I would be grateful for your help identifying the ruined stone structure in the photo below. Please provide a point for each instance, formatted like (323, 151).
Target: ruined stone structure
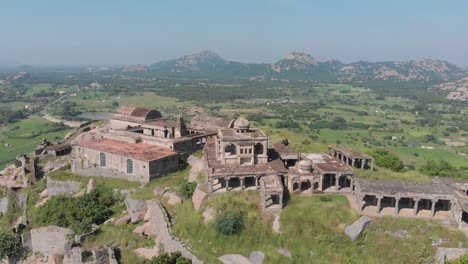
(237, 158)
(118, 159)
(352, 157)
(47, 148)
(138, 145)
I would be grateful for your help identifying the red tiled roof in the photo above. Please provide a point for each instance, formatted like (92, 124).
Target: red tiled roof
(138, 151)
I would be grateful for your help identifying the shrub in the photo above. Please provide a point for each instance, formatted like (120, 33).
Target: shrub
(9, 245)
(461, 260)
(229, 223)
(441, 168)
(172, 258)
(187, 188)
(384, 158)
(79, 214)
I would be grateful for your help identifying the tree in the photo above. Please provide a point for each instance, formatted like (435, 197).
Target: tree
(115, 104)
(384, 158)
(9, 245)
(187, 189)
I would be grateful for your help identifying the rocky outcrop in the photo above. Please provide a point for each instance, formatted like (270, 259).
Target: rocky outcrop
(55, 187)
(356, 228)
(4, 201)
(172, 198)
(198, 198)
(51, 240)
(208, 215)
(91, 185)
(23, 176)
(257, 257)
(136, 209)
(234, 259)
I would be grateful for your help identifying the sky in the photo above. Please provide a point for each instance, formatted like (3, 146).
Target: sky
(114, 32)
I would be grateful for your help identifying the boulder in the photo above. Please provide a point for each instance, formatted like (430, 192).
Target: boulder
(91, 185)
(147, 253)
(4, 204)
(173, 199)
(159, 191)
(235, 259)
(208, 215)
(276, 224)
(198, 198)
(44, 194)
(122, 220)
(356, 228)
(136, 209)
(257, 257)
(146, 229)
(285, 252)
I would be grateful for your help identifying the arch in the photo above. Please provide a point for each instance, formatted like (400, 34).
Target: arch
(129, 166)
(258, 149)
(102, 159)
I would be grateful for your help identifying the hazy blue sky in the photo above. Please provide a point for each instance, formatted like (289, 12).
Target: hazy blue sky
(128, 32)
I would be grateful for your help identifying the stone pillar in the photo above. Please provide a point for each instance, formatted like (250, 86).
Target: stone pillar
(352, 162)
(226, 180)
(452, 208)
(256, 183)
(351, 183)
(397, 205)
(416, 204)
(434, 201)
(363, 163)
(210, 185)
(337, 182)
(379, 203)
(360, 202)
(242, 183)
(263, 202)
(320, 187)
(372, 165)
(281, 200)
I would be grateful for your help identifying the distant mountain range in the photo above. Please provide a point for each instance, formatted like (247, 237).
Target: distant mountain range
(302, 66)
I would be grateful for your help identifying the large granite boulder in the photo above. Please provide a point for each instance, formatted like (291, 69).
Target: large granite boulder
(235, 259)
(51, 240)
(257, 257)
(4, 204)
(136, 209)
(356, 228)
(198, 198)
(62, 187)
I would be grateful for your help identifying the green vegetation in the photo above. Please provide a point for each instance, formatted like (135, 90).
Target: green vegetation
(79, 214)
(461, 260)
(442, 169)
(388, 160)
(230, 222)
(172, 258)
(311, 227)
(187, 188)
(9, 245)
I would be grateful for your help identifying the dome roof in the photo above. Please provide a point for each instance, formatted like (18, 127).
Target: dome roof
(241, 123)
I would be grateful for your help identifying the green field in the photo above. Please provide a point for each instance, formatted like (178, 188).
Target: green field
(24, 136)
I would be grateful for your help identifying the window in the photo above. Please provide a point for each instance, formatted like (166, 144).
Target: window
(129, 166)
(102, 159)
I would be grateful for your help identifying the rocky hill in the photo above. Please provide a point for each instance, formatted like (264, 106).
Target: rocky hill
(302, 66)
(457, 90)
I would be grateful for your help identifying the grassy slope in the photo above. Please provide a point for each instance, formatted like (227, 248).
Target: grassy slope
(312, 229)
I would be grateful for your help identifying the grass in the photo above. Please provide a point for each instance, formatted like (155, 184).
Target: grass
(121, 237)
(62, 175)
(312, 229)
(386, 174)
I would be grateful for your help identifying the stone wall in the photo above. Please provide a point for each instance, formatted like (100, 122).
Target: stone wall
(443, 254)
(62, 187)
(158, 219)
(51, 240)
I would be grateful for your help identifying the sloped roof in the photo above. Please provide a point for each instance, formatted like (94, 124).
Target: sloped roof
(210, 122)
(139, 112)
